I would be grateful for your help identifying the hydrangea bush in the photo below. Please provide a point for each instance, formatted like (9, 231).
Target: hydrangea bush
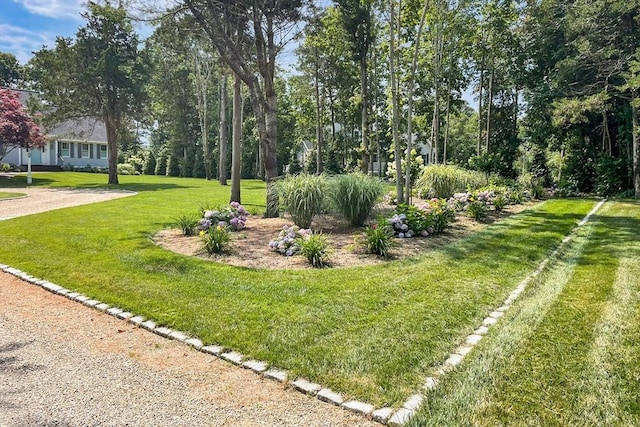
(234, 217)
(288, 241)
(424, 220)
(438, 214)
(477, 203)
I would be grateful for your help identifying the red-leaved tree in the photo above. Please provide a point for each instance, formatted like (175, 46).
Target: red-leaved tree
(17, 128)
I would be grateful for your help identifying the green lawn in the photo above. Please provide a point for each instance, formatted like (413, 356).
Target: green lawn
(10, 195)
(370, 333)
(567, 353)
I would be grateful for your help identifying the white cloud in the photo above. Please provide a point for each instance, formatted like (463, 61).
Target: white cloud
(54, 8)
(22, 42)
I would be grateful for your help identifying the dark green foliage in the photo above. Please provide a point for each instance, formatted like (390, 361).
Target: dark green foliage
(477, 210)
(188, 224)
(379, 238)
(612, 175)
(416, 218)
(314, 248)
(216, 240)
(150, 164)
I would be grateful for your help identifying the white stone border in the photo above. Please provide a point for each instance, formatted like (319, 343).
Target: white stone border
(385, 415)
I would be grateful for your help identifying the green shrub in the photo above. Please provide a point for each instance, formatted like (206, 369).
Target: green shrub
(314, 248)
(5, 167)
(611, 175)
(416, 219)
(303, 196)
(187, 224)
(477, 210)
(215, 240)
(531, 184)
(499, 202)
(379, 238)
(355, 195)
(126, 169)
(443, 181)
(438, 214)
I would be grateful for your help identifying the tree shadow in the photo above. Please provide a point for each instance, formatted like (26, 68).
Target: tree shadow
(10, 363)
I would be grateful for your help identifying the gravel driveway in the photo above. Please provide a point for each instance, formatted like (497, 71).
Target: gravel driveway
(46, 199)
(64, 364)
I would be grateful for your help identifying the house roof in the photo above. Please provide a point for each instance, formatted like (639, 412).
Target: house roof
(84, 129)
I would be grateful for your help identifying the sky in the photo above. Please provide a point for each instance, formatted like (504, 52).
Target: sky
(27, 25)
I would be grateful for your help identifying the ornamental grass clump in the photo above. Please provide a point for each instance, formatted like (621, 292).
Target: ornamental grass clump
(379, 239)
(303, 196)
(188, 224)
(216, 239)
(443, 181)
(355, 195)
(314, 247)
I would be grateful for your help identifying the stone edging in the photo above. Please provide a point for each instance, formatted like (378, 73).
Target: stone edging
(385, 415)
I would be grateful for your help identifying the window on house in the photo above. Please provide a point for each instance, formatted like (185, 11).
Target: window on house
(85, 151)
(103, 151)
(65, 149)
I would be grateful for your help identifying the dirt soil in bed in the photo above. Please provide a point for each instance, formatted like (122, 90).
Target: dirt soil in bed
(250, 247)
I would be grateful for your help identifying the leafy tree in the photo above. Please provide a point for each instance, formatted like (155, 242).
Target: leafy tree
(17, 128)
(101, 75)
(357, 19)
(248, 36)
(11, 72)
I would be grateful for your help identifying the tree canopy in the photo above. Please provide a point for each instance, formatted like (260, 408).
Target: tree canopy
(17, 127)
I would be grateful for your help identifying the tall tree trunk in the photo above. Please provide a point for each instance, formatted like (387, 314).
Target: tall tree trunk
(606, 136)
(489, 105)
(479, 147)
(636, 145)
(112, 152)
(412, 80)
(206, 159)
(319, 133)
(446, 129)
(202, 75)
(222, 144)
(236, 135)
(364, 90)
(395, 111)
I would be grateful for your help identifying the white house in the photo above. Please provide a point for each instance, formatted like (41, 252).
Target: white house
(77, 143)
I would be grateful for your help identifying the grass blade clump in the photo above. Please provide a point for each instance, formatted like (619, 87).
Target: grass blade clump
(188, 224)
(443, 181)
(314, 247)
(355, 195)
(302, 197)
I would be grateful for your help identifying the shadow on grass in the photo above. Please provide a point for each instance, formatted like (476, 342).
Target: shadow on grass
(20, 181)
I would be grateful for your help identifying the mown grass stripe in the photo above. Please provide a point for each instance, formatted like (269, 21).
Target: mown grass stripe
(538, 368)
(466, 391)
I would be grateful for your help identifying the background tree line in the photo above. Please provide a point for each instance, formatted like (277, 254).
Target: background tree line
(542, 91)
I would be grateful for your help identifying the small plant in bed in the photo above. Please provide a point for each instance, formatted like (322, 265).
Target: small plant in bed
(215, 240)
(314, 247)
(188, 224)
(379, 238)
